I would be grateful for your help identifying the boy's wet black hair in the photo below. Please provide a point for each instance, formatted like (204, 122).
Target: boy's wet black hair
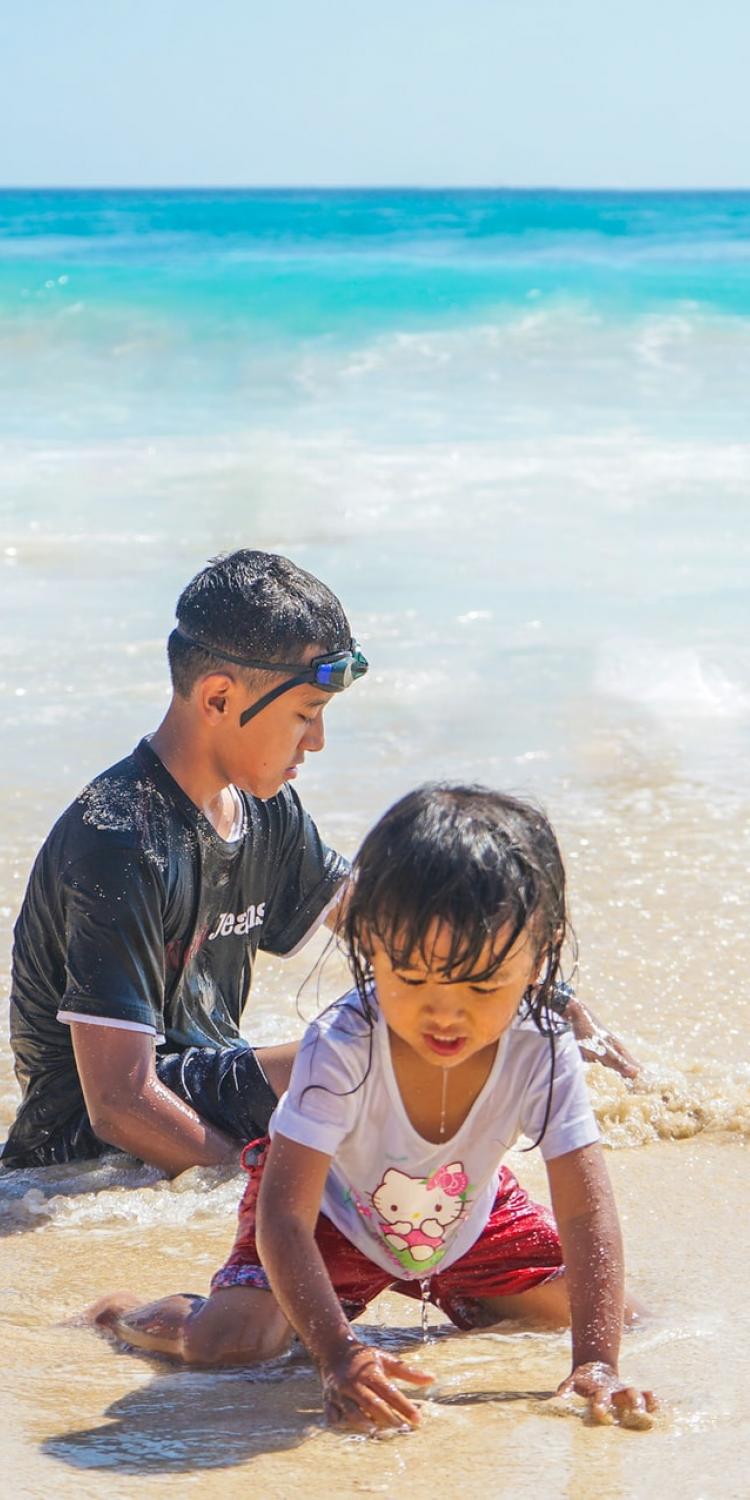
(255, 604)
(481, 863)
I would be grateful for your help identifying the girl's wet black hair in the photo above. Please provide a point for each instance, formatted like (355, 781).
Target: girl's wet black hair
(483, 865)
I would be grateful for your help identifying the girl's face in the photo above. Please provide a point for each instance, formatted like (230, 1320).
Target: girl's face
(446, 1021)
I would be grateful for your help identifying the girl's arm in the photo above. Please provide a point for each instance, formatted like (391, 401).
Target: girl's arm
(589, 1229)
(356, 1387)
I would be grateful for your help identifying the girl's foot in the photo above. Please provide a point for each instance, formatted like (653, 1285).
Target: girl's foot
(105, 1312)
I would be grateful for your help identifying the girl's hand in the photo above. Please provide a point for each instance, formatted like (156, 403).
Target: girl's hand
(358, 1394)
(609, 1400)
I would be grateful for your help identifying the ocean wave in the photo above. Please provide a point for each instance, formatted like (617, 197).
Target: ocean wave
(669, 1104)
(102, 498)
(116, 1190)
(664, 1103)
(669, 682)
(70, 365)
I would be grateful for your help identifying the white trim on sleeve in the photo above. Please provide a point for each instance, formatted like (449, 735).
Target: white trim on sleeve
(572, 1136)
(66, 1016)
(319, 920)
(319, 1135)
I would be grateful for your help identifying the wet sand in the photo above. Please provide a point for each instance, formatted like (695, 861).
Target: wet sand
(89, 1419)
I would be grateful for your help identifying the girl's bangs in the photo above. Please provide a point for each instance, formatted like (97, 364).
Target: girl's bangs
(408, 938)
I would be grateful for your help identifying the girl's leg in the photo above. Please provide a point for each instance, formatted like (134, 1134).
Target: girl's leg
(545, 1303)
(235, 1326)
(519, 1237)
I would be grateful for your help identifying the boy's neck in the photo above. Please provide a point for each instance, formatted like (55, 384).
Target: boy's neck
(181, 751)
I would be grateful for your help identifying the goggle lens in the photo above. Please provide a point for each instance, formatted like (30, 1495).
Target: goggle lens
(340, 671)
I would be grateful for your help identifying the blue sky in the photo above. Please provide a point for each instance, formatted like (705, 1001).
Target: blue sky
(327, 92)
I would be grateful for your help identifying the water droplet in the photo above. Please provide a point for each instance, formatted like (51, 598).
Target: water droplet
(424, 1287)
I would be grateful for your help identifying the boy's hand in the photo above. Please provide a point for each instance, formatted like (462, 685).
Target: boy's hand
(596, 1044)
(358, 1394)
(609, 1400)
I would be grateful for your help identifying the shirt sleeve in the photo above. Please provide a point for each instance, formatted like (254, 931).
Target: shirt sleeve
(571, 1122)
(308, 874)
(113, 901)
(324, 1098)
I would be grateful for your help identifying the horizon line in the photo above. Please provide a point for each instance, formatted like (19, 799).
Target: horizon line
(354, 187)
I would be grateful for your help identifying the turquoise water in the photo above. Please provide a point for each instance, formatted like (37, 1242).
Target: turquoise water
(510, 427)
(260, 306)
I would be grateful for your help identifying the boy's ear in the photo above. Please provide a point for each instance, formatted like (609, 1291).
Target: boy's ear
(213, 693)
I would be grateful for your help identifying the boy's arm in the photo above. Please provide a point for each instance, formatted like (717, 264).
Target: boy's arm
(131, 1108)
(595, 1043)
(356, 1387)
(589, 1229)
(334, 917)
(114, 902)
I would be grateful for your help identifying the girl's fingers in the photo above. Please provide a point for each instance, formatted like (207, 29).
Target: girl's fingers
(582, 1385)
(640, 1420)
(356, 1414)
(611, 1403)
(632, 1409)
(367, 1412)
(341, 1413)
(401, 1371)
(384, 1411)
(627, 1396)
(389, 1398)
(367, 1401)
(601, 1409)
(627, 1406)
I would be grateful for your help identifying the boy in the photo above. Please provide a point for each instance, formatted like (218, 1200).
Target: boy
(153, 892)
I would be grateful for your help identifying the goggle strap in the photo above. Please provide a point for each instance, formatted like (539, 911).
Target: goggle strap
(282, 687)
(308, 674)
(260, 666)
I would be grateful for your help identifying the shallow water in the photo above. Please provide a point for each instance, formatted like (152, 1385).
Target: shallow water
(512, 432)
(86, 1417)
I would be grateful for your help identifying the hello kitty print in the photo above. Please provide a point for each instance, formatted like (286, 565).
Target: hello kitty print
(416, 1214)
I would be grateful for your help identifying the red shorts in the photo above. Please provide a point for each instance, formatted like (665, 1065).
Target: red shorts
(517, 1249)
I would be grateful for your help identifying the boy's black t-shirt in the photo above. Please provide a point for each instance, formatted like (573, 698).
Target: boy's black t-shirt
(138, 912)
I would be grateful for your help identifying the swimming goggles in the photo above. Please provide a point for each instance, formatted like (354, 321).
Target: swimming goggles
(334, 671)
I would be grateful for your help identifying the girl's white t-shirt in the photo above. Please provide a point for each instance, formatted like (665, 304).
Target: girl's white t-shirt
(409, 1204)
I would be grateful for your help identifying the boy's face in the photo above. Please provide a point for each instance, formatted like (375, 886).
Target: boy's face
(267, 751)
(445, 1021)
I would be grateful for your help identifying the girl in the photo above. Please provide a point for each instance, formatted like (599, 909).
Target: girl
(384, 1168)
